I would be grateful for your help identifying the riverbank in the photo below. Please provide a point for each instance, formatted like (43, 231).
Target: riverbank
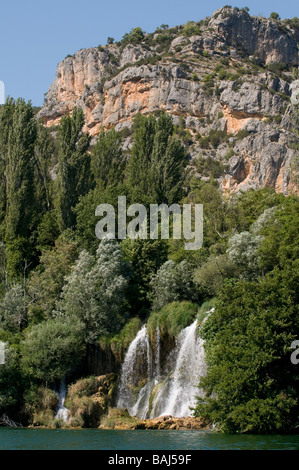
(121, 420)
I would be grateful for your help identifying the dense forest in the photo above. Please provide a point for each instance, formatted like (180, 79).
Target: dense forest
(64, 291)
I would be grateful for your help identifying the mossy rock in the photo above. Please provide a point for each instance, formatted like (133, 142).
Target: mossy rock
(118, 419)
(43, 418)
(86, 411)
(89, 399)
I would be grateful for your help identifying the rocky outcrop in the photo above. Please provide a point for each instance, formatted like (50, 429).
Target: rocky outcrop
(227, 77)
(271, 41)
(89, 399)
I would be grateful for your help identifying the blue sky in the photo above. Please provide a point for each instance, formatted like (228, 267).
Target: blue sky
(36, 35)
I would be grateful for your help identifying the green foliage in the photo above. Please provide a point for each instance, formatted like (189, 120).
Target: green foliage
(248, 353)
(293, 22)
(243, 252)
(120, 342)
(46, 282)
(13, 312)
(280, 245)
(135, 36)
(191, 29)
(11, 381)
(52, 349)
(145, 258)
(251, 385)
(157, 162)
(274, 16)
(211, 275)
(94, 291)
(108, 159)
(40, 405)
(210, 167)
(172, 318)
(73, 179)
(18, 201)
(172, 282)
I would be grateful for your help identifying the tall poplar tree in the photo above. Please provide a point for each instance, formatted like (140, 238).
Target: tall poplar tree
(73, 166)
(157, 162)
(19, 140)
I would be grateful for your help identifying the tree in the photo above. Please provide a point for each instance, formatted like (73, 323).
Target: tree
(145, 258)
(45, 283)
(73, 178)
(211, 275)
(44, 154)
(135, 36)
(20, 206)
(274, 16)
(251, 384)
(243, 252)
(108, 159)
(95, 291)
(52, 349)
(11, 382)
(13, 311)
(172, 282)
(157, 162)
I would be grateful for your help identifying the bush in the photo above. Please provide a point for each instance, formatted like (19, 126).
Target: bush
(211, 275)
(191, 29)
(135, 36)
(274, 16)
(52, 348)
(84, 387)
(87, 411)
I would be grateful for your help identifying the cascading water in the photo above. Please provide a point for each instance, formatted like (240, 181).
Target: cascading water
(177, 394)
(137, 363)
(173, 393)
(61, 411)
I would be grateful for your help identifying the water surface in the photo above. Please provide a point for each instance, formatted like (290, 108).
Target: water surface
(98, 439)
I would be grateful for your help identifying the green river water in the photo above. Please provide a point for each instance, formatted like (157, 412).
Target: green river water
(96, 439)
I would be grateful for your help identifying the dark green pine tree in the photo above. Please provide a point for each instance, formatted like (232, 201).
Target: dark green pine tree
(74, 178)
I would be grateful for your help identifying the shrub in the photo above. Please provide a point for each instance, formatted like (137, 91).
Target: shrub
(274, 16)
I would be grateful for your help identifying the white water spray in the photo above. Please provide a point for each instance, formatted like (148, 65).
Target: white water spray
(61, 411)
(171, 394)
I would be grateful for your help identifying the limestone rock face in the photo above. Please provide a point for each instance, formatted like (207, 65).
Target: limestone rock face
(229, 76)
(264, 38)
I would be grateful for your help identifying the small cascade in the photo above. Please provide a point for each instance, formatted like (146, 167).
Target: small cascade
(61, 411)
(136, 365)
(171, 393)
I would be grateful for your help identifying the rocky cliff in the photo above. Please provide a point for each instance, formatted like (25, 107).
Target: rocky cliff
(229, 81)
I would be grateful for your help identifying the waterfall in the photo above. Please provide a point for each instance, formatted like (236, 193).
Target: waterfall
(157, 356)
(177, 394)
(137, 362)
(170, 393)
(61, 411)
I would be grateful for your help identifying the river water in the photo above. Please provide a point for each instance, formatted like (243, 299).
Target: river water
(99, 439)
